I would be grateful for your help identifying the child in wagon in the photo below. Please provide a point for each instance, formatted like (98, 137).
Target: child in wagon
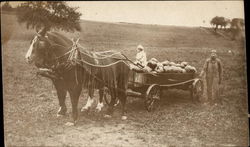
(141, 57)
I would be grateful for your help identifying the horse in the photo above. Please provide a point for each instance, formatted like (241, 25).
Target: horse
(112, 70)
(51, 51)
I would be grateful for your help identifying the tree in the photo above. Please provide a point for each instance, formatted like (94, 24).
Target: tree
(49, 15)
(6, 6)
(237, 28)
(219, 21)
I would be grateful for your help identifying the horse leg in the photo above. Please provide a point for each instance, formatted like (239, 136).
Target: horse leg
(122, 94)
(100, 102)
(61, 94)
(123, 98)
(110, 109)
(90, 98)
(88, 104)
(74, 96)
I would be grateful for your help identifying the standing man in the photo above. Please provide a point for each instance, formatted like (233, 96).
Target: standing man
(213, 75)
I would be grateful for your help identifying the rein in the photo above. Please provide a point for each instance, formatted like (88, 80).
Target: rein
(108, 56)
(102, 66)
(53, 61)
(68, 52)
(74, 50)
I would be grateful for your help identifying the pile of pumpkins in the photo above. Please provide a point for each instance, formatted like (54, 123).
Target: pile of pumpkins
(155, 66)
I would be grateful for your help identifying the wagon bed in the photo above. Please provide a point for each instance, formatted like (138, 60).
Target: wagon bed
(149, 86)
(164, 79)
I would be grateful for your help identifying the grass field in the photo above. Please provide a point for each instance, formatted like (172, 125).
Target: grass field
(30, 102)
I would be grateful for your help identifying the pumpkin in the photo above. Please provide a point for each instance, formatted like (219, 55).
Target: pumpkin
(165, 63)
(172, 64)
(184, 64)
(159, 69)
(147, 69)
(152, 64)
(167, 69)
(190, 69)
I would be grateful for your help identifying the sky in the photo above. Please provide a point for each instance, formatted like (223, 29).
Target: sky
(178, 13)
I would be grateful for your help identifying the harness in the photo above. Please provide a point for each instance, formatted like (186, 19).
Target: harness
(56, 67)
(53, 63)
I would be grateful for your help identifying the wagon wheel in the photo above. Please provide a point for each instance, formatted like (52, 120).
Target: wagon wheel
(107, 97)
(152, 97)
(198, 88)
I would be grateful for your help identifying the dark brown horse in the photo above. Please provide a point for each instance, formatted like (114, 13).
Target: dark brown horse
(51, 52)
(111, 70)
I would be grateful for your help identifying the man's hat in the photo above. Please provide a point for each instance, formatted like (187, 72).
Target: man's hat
(213, 51)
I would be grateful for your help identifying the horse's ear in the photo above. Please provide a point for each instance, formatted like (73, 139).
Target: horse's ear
(39, 35)
(72, 39)
(77, 40)
(42, 32)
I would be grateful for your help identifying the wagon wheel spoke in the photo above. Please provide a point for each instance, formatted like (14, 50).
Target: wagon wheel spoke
(107, 96)
(152, 97)
(157, 95)
(151, 105)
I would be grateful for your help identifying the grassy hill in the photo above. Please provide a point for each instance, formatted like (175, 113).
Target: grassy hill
(30, 102)
(126, 36)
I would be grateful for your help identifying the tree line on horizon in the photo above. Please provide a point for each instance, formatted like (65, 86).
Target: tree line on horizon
(236, 25)
(58, 15)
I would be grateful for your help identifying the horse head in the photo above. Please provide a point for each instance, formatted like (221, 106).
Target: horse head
(45, 48)
(38, 50)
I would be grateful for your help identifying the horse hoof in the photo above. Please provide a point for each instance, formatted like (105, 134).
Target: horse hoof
(84, 109)
(59, 115)
(70, 124)
(124, 117)
(62, 111)
(117, 103)
(97, 110)
(107, 116)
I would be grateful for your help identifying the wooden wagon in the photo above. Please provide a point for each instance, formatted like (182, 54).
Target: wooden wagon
(150, 86)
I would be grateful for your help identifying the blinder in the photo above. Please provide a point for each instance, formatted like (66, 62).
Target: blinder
(45, 51)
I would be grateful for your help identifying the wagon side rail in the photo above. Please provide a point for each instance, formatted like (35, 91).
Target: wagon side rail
(166, 85)
(179, 83)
